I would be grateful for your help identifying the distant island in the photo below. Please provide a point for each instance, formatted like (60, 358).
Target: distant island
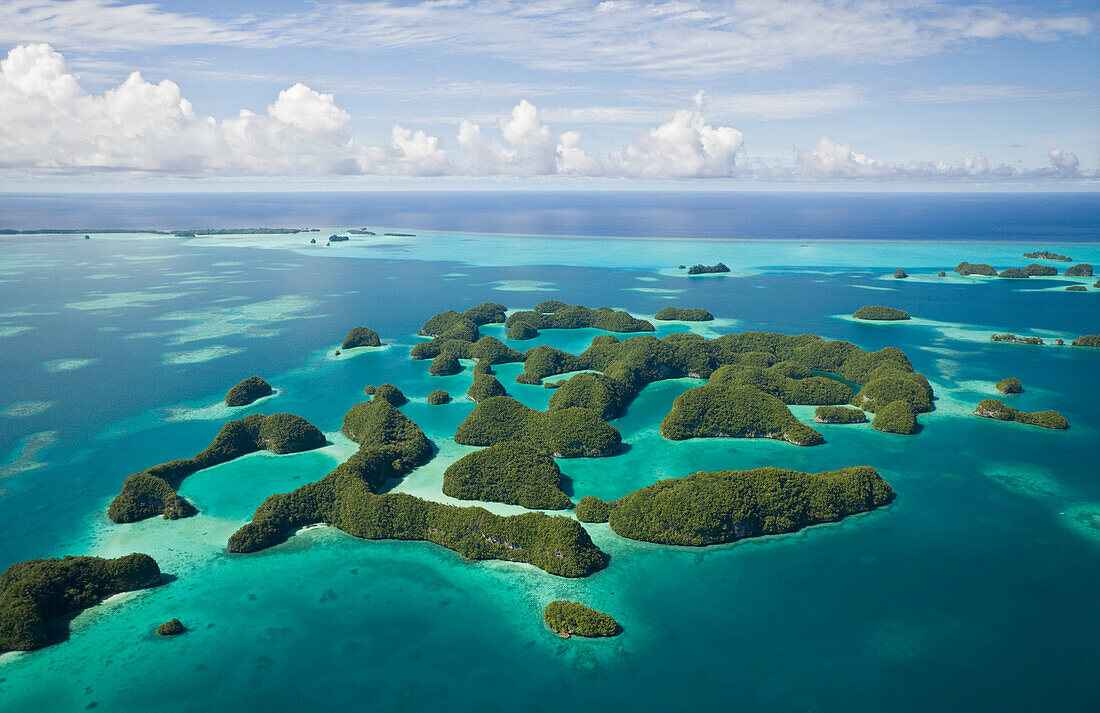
(1047, 255)
(1082, 270)
(992, 408)
(360, 231)
(880, 313)
(1013, 339)
(247, 391)
(839, 414)
(1087, 340)
(558, 315)
(1011, 385)
(900, 274)
(707, 269)
(567, 619)
(680, 314)
(361, 337)
(966, 268)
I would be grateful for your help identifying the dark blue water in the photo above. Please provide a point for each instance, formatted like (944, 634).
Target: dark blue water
(700, 215)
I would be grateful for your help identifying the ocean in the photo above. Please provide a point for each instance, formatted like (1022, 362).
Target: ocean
(975, 590)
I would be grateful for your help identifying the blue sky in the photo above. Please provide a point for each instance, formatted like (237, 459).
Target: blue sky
(549, 93)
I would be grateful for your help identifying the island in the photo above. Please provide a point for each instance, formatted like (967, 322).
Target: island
(1036, 270)
(248, 391)
(1082, 270)
(390, 445)
(966, 268)
(592, 509)
(510, 472)
(710, 508)
(1011, 385)
(900, 274)
(1087, 340)
(360, 231)
(839, 414)
(896, 417)
(522, 330)
(880, 313)
(573, 432)
(439, 397)
(1014, 272)
(557, 315)
(171, 628)
(1047, 255)
(1013, 339)
(153, 491)
(721, 410)
(992, 408)
(35, 591)
(338, 238)
(707, 269)
(386, 392)
(682, 314)
(399, 235)
(567, 619)
(446, 364)
(1076, 288)
(361, 337)
(485, 386)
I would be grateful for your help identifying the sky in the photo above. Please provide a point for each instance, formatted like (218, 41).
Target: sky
(803, 94)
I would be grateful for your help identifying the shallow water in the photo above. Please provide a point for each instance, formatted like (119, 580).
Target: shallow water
(975, 590)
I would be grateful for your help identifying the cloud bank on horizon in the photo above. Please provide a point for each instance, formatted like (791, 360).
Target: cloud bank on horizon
(606, 75)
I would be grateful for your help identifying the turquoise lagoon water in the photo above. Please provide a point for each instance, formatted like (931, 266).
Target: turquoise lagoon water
(975, 590)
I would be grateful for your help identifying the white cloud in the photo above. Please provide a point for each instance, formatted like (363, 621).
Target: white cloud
(961, 93)
(833, 160)
(1064, 164)
(683, 147)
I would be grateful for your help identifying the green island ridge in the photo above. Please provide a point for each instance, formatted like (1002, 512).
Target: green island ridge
(153, 491)
(361, 337)
(839, 414)
(567, 619)
(1047, 255)
(707, 269)
(510, 472)
(592, 509)
(966, 268)
(1013, 339)
(390, 445)
(338, 238)
(1076, 288)
(553, 314)
(726, 411)
(896, 417)
(248, 391)
(522, 330)
(900, 274)
(710, 508)
(1014, 272)
(360, 231)
(35, 591)
(572, 432)
(386, 392)
(880, 313)
(439, 397)
(1086, 340)
(446, 364)
(1036, 270)
(1011, 385)
(485, 386)
(171, 628)
(684, 314)
(992, 408)
(1082, 270)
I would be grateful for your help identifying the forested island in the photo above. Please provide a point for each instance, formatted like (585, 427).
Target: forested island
(247, 391)
(1087, 340)
(1082, 270)
(992, 408)
(553, 314)
(511, 472)
(361, 337)
(567, 619)
(153, 492)
(35, 591)
(966, 268)
(880, 313)
(682, 314)
(707, 269)
(839, 414)
(1011, 385)
(1013, 339)
(1047, 255)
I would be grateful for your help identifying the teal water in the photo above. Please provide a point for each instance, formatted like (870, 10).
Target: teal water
(975, 590)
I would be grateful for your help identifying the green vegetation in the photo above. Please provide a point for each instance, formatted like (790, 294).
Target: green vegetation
(707, 269)
(596, 392)
(715, 508)
(1082, 270)
(463, 325)
(567, 432)
(680, 314)
(35, 591)
(1076, 288)
(510, 472)
(966, 268)
(386, 392)
(522, 330)
(153, 491)
(338, 238)
(839, 414)
(361, 231)
(171, 628)
(248, 391)
(1035, 270)
(485, 386)
(788, 381)
(439, 397)
(577, 317)
(900, 274)
(592, 509)
(992, 408)
(1047, 255)
(487, 349)
(1014, 272)
(878, 312)
(446, 364)
(1013, 339)
(1087, 340)
(572, 619)
(1011, 385)
(361, 337)
(723, 411)
(888, 385)
(896, 417)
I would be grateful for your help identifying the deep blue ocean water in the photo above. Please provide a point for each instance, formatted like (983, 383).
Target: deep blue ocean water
(975, 590)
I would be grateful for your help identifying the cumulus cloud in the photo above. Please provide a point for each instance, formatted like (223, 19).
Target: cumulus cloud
(683, 147)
